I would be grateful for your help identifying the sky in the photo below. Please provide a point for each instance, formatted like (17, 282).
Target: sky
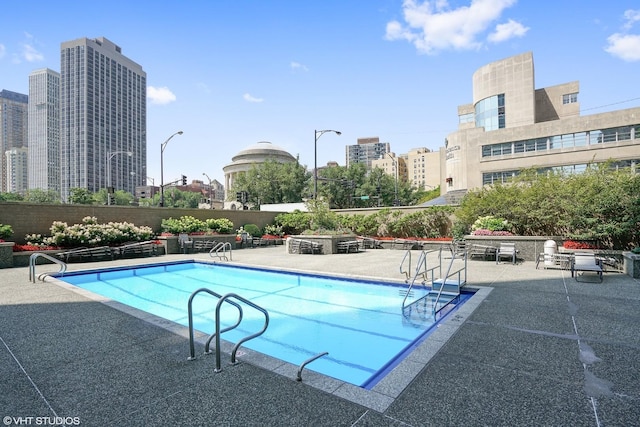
(230, 73)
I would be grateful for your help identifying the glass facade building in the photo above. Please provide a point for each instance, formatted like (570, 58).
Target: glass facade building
(13, 128)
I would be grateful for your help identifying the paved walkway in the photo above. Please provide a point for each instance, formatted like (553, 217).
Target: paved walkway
(540, 349)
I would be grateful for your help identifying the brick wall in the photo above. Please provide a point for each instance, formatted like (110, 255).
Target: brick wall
(29, 218)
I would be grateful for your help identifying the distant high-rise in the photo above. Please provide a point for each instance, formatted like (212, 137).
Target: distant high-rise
(366, 150)
(44, 130)
(13, 128)
(16, 175)
(103, 117)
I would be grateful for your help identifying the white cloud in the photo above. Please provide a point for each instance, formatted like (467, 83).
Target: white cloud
(2, 51)
(624, 46)
(247, 97)
(631, 17)
(160, 95)
(30, 54)
(298, 66)
(507, 31)
(433, 26)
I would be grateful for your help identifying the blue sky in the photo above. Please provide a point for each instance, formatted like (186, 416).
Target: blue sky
(232, 73)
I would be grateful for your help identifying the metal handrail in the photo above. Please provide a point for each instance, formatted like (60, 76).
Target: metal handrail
(446, 277)
(242, 341)
(190, 311)
(222, 246)
(32, 264)
(422, 261)
(306, 362)
(407, 272)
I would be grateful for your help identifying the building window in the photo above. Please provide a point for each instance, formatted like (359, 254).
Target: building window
(490, 113)
(466, 118)
(570, 98)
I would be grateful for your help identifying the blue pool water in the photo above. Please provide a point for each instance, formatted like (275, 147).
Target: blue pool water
(360, 323)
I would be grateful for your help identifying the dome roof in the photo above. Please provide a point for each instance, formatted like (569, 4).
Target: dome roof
(263, 149)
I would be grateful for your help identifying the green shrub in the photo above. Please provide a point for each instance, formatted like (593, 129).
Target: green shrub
(219, 225)
(294, 222)
(5, 231)
(184, 224)
(253, 230)
(490, 222)
(91, 233)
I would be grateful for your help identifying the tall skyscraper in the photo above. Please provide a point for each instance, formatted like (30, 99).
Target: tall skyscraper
(44, 130)
(103, 117)
(13, 128)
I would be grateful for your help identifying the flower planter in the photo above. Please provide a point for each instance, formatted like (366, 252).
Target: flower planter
(631, 264)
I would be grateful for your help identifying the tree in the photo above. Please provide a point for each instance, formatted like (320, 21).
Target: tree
(82, 196)
(11, 197)
(38, 195)
(272, 182)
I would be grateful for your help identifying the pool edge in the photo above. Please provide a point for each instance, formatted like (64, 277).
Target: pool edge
(378, 398)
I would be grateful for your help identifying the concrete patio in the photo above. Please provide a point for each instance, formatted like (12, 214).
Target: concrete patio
(539, 349)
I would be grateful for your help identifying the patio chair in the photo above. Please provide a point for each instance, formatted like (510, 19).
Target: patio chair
(583, 262)
(506, 250)
(185, 242)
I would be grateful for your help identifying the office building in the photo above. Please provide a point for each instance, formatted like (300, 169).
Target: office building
(102, 117)
(44, 130)
(511, 125)
(366, 150)
(16, 170)
(423, 168)
(13, 128)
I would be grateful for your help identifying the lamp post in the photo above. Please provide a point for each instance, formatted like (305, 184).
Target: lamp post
(210, 194)
(395, 167)
(317, 135)
(109, 157)
(162, 147)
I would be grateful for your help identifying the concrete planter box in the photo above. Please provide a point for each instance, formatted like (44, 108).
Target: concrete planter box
(172, 246)
(631, 264)
(6, 254)
(329, 242)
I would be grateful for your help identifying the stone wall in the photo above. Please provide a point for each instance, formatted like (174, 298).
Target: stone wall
(30, 218)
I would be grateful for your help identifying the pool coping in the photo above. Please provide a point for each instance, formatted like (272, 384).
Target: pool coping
(378, 398)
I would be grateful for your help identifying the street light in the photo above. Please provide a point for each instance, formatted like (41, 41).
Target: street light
(210, 194)
(395, 167)
(109, 157)
(317, 135)
(162, 147)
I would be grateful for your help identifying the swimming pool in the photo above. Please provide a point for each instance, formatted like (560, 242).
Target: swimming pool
(359, 323)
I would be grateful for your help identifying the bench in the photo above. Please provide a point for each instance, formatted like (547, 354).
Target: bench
(87, 254)
(203, 245)
(348, 246)
(299, 246)
(482, 251)
(584, 263)
(370, 243)
(137, 249)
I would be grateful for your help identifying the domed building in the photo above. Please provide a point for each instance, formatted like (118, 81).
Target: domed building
(254, 154)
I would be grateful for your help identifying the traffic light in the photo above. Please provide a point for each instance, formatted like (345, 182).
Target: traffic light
(239, 196)
(112, 199)
(184, 180)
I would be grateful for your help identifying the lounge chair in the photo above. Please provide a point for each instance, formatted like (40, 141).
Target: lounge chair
(506, 250)
(582, 262)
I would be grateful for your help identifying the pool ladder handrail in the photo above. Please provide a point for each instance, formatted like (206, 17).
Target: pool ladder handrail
(448, 274)
(222, 246)
(192, 350)
(422, 271)
(306, 362)
(218, 331)
(32, 265)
